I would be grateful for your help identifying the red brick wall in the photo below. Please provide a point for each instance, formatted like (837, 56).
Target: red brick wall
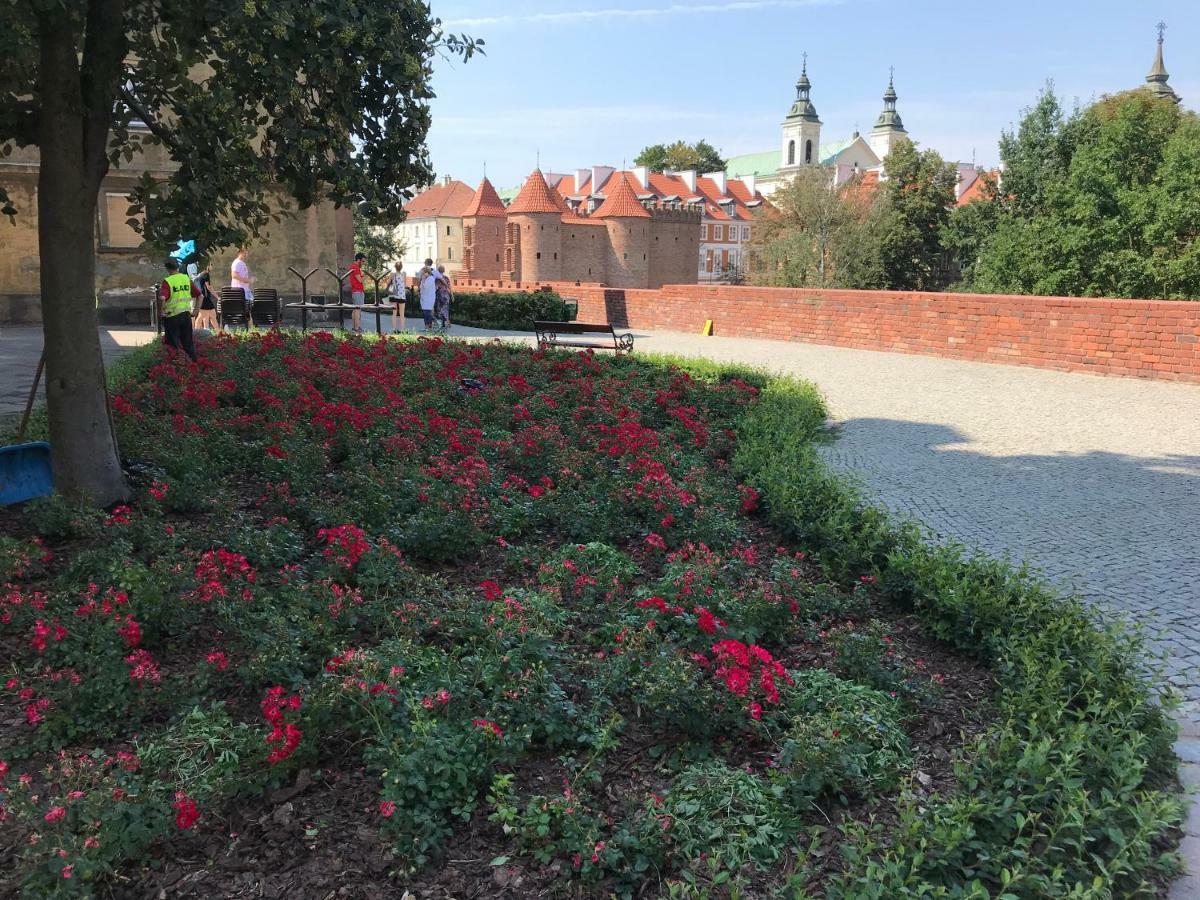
(1143, 338)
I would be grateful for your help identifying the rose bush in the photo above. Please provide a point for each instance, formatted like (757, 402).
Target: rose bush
(340, 557)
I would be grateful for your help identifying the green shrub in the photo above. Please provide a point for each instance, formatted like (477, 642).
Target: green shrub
(722, 820)
(510, 311)
(1070, 795)
(843, 739)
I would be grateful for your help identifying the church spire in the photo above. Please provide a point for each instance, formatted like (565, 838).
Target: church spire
(888, 127)
(890, 119)
(1157, 77)
(803, 108)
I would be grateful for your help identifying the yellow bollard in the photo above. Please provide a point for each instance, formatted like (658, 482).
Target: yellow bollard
(708, 328)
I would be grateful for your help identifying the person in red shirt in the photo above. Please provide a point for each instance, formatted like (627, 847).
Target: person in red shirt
(176, 296)
(358, 291)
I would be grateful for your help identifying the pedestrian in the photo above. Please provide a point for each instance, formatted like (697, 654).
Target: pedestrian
(240, 277)
(398, 294)
(358, 291)
(175, 295)
(206, 317)
(441, 308)
(429, 283)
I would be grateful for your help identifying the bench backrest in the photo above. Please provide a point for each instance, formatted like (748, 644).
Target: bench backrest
(574, 327)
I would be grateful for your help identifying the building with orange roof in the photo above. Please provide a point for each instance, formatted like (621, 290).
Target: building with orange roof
(432, 228)
(727, 207)
(622, 237)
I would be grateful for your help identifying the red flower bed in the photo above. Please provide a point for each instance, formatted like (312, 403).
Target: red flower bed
(342, 560)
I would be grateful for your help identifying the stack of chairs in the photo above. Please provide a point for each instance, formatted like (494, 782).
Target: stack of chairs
(232, 309)
(265, 309)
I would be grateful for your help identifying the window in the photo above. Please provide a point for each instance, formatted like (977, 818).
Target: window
(115, 231)
(449, 253)
(718, 232)
(448, 227)
(791, 153)
(704, 232)
(808, 152)
(745, 232)
(708, 260)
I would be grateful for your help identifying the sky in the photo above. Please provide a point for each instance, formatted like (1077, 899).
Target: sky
(577, 83)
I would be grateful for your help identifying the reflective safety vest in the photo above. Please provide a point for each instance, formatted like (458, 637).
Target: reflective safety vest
(180, 299)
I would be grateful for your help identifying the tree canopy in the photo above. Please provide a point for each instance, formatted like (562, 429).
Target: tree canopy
(859, 235)
(681, 156)
(1104, 202)
(254, 101)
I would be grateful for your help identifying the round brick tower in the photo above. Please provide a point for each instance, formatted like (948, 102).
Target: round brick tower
(628, 224)
(483, 234)
(535, 224)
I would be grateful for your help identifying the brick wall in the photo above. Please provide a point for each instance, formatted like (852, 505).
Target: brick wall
(1142, 338)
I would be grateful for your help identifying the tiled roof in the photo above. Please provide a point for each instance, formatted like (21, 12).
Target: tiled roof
(445, 199)
(861, 190)
(486, 202)
(976, 190)
(622, 200)
(536, 196)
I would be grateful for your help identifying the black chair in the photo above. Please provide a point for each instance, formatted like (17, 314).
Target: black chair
(265, 310)
(232, 309)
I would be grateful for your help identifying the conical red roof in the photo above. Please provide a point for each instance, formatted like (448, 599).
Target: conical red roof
(621, 202)
(486, 202)
(535, 197)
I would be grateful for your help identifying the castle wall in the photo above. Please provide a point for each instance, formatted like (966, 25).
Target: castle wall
(585, 252)
(673, 246)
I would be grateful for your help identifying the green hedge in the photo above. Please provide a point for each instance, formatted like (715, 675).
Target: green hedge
(1072, 792)
(514, 311)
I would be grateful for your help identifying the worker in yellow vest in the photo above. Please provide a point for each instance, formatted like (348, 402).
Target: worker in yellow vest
(175, 295)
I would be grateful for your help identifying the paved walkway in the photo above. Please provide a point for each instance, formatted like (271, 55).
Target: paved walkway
(1093, 480)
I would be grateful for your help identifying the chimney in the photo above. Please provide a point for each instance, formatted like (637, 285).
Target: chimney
(600, 174)
(751, 183)
(718, 178)
(446, 180)
(689, 178)
(581, 178)
(642, 174)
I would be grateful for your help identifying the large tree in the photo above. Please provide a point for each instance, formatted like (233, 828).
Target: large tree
(1107, 203)
(254, 99)
(794, 243)
(680, 157)
(917, 196)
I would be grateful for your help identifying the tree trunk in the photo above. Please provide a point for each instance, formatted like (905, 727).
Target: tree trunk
(86, 462)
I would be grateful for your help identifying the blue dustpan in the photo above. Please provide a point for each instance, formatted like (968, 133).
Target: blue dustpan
(25, 472)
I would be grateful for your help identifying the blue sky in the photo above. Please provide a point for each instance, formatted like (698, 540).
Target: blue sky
(591, 82)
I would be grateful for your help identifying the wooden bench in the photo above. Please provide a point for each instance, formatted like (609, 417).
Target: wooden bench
(548, 334)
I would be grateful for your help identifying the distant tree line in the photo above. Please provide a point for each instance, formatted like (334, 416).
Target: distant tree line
(1103, 202)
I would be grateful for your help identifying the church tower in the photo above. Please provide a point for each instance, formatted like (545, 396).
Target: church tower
(1156, 80)
(801, 129)
(888, 127)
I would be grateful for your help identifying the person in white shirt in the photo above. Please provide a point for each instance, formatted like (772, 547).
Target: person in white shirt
(429, 283)
(240, 277)
(397, 294)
